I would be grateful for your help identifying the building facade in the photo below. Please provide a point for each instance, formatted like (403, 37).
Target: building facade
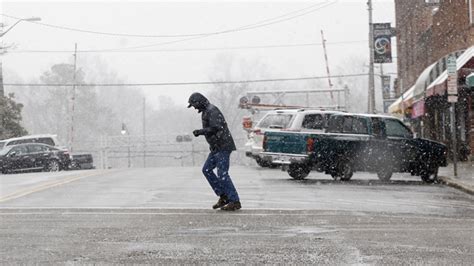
(428, 32)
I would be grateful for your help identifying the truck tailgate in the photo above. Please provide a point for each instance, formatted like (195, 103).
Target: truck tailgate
(286, 142)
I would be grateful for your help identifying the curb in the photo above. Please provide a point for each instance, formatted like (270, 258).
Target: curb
(457, 184)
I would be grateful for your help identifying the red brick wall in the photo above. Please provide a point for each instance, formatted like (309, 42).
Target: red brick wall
(413, 19)
(425, 36)
(451, 29)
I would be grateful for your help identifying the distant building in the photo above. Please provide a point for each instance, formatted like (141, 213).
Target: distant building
(428, 31)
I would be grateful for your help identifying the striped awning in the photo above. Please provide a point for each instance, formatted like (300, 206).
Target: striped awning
(439, 86)
(403, 102)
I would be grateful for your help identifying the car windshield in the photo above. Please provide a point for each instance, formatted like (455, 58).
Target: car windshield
(275, 121)
(3, 152)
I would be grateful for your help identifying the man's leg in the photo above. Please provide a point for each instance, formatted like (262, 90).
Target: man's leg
(208, 171)
(222, 160)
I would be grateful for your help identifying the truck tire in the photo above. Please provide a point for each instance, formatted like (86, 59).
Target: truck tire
(343, 170)
(384, 174)
(298, 171)
(261, 163)
(429, 175)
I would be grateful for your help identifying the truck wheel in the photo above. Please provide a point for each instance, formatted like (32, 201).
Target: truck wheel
(430, 175)
(384, 174)
(261, 163)
(298, 171)
(346, 170)
(343, 170)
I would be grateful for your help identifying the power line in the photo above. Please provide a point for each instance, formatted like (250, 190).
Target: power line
(191, 49)
(179, 83)
(213, 34)
(245, 27)
(259, 24)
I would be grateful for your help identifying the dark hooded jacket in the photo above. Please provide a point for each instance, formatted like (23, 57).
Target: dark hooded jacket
(214, 126)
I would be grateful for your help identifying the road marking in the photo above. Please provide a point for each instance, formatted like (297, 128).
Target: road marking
(204, 212)
(44, 186)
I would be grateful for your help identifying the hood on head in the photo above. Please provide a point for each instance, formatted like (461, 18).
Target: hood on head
(198, 101)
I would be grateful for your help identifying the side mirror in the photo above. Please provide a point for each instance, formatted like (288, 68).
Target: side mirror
(12, 154)
(415, 135)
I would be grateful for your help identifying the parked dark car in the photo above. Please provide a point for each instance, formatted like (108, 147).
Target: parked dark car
(33, 157)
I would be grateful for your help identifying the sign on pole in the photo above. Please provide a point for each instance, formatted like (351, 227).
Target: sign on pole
(382, 42)
(386, 104)
(453, 99)
(386, 87)
(452, 81)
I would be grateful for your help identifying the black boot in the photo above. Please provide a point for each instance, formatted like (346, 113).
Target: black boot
(232, 206)
(221, 202)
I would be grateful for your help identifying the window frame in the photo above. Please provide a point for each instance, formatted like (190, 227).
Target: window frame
(402, 125)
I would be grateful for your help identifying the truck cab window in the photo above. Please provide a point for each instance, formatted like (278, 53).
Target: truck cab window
(359, 126)
(347, 126)
(335, 124)
(378, 128)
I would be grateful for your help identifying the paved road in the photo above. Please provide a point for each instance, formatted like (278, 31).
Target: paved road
(163, 215)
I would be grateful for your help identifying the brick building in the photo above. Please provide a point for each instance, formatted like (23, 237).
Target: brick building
(428, 31)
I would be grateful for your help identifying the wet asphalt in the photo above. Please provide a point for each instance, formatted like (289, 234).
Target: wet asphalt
(163, 216)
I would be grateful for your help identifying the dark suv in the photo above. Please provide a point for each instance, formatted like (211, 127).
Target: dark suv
(33, 157)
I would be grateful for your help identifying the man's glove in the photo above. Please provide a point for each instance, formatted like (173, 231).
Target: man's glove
(197, 132)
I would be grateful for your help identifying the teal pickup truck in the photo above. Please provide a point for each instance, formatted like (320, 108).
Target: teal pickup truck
(356, 142)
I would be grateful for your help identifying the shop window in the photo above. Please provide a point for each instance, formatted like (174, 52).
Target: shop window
(432, 2)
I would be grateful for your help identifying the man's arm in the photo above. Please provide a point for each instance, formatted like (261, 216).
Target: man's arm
(216, 123)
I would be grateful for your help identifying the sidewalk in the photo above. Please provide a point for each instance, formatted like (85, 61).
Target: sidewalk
(464, 180)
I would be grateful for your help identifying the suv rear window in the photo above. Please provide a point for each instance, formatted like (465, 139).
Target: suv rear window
(276, 121)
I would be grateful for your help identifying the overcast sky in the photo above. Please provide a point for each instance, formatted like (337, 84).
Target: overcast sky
(342, 21)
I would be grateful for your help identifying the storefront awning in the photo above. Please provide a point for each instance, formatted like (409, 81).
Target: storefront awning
(413, 94)
(438, 86)
(423, 81)
(403, 102)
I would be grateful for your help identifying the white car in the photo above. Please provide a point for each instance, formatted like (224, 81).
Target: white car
(311, 120)
(47, 139)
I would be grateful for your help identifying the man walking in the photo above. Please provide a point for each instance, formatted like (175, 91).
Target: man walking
(221, 144)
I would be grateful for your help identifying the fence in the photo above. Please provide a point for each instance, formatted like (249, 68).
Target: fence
(151, 151)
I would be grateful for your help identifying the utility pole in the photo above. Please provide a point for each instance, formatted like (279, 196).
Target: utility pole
(403, 100)
(327, 63)
(144, 132)
(2, 51)
(371, 94)
(73, 99)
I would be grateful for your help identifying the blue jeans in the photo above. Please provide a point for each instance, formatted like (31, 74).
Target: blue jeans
(221, 184)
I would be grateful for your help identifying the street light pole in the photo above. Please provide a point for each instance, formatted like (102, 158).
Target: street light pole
(371, 94)
(2, 93)
(125, 131)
